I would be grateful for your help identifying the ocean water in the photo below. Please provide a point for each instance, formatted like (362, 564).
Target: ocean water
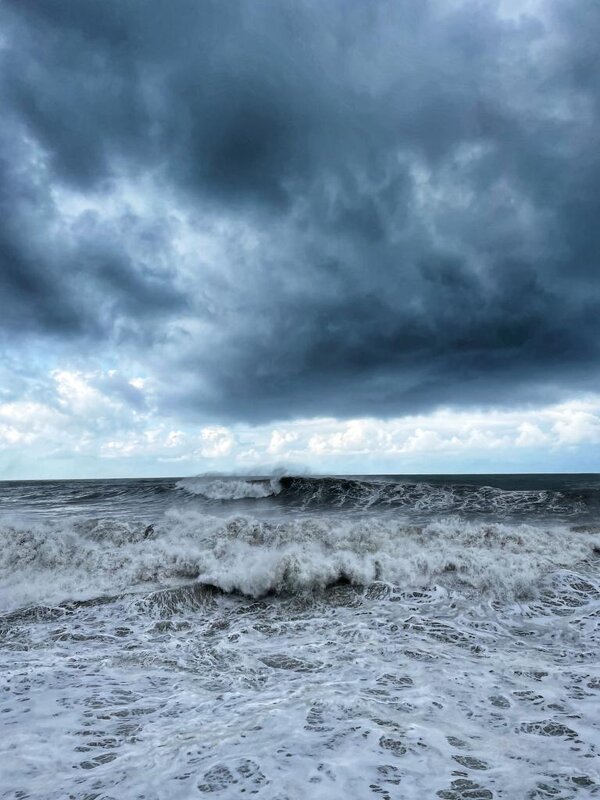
(291, 638)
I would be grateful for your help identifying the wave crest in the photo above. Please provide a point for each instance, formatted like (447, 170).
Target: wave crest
(223, 489)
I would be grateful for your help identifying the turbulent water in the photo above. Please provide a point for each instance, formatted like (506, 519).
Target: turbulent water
(295, 637)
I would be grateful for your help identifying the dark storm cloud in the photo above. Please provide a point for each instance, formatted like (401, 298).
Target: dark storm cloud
(422, 179)
(31, 292)
(73, 280)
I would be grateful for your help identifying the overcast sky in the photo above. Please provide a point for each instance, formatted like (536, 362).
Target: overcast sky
(341, 235)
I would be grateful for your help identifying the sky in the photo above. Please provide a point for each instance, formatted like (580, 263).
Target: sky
(328, 236)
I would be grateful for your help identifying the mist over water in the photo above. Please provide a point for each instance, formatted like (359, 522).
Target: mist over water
(285, 637)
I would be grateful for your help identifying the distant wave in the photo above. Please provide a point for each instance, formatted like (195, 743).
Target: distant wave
(358, 493)
(65, 560)
(306, 494)
(361, 494)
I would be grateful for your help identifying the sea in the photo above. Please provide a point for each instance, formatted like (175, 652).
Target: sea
(301, 638)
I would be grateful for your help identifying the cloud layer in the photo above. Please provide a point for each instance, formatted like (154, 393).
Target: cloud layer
(96, 423)
(293, 210)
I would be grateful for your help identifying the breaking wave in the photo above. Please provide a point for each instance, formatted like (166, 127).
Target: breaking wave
(222, 489)
(51, 562)
(361, 494)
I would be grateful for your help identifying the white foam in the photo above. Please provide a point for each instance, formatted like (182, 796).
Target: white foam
(224, 489)
(350, 695)
(46, 561)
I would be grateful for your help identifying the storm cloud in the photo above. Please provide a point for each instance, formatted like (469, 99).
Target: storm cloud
(295, 209)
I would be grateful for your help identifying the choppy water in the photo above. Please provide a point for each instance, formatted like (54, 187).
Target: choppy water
(300, 638)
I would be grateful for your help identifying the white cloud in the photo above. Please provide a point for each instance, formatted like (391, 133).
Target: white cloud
(531, 435)
(216, 441)
(577, 427)
(280, 439)
(355, 436)
(424, 441)
(27, 422)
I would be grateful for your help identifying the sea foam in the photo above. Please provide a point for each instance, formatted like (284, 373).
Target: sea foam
(47, 561)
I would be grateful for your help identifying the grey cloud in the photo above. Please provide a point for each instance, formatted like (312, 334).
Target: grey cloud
(32, 295)
(423, 178)
(118, 386)
(81, 281)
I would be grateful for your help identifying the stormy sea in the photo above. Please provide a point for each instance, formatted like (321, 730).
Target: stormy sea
(301, 637)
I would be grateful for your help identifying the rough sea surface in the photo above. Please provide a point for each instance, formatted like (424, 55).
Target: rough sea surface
(301, 638)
